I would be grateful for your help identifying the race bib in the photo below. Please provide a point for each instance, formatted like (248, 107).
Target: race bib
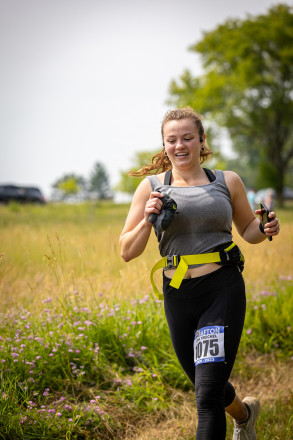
(209, 345)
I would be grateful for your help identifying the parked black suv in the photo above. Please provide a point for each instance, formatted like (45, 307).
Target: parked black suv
(21, 194)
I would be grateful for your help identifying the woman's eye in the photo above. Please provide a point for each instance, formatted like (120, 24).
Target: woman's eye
(171, 141)
(187, 139)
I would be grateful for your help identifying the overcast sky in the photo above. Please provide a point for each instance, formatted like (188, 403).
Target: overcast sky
(83, 81)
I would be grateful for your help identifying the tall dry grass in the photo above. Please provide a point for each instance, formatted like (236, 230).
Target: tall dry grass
(45, 254)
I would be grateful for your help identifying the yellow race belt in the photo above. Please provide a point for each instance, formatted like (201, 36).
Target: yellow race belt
(183, 261)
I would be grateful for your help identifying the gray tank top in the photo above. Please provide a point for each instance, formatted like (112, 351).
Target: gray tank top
(204, 219)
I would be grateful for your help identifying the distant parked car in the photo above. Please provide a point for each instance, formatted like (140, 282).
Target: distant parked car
(21, 194)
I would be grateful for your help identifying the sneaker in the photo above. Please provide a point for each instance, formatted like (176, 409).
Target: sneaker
(246, 431)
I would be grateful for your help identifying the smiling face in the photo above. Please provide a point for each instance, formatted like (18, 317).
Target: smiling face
(182, 143)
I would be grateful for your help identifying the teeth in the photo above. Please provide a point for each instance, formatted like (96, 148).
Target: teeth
(181, 154)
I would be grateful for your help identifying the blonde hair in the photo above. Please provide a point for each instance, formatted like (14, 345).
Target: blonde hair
(160, 161)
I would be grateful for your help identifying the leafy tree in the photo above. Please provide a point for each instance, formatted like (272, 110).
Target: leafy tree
(248, 88)
(99, 183)
(128, 184)
(67, 186)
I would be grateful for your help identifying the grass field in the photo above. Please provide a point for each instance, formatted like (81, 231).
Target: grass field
(84, 347)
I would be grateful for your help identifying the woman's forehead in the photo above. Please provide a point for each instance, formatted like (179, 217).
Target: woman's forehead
(180, 126)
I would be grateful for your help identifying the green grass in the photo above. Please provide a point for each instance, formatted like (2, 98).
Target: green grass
(85, 350)
(268, 324)
(68, 354)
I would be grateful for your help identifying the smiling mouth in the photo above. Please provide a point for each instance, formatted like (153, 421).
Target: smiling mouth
(181, 154)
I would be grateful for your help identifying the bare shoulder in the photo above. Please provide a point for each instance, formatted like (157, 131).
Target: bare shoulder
(234, 183)
(143, 189)
(232, 177)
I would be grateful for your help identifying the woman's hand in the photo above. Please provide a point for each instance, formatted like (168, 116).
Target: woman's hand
(153, 204)
(273, 227)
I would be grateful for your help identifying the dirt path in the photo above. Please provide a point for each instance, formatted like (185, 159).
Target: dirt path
(264, 377)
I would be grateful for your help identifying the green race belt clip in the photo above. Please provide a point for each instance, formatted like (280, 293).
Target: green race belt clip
(183, 261)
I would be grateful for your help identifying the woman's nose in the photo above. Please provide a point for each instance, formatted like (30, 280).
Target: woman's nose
(179, 144)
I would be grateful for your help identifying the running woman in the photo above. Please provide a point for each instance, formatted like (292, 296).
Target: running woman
(205, 310)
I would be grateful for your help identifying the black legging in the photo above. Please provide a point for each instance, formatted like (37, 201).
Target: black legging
(214, 299)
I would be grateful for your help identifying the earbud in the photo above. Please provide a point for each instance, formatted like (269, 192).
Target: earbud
(201, 140)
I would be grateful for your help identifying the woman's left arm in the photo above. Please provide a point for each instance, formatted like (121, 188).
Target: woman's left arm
(247, 224)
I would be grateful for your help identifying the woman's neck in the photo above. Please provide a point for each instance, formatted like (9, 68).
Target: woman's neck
(190, 177)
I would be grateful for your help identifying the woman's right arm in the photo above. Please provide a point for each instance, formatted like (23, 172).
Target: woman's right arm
(137, 229)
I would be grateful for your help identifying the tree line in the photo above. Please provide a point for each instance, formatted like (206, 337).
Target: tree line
(75, 186)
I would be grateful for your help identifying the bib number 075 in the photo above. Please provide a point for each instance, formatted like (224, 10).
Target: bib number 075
(209, 345)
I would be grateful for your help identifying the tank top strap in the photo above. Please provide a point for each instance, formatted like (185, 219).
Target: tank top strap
(167, 178)
(220, 177)
(210, 174)
(154, 181)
